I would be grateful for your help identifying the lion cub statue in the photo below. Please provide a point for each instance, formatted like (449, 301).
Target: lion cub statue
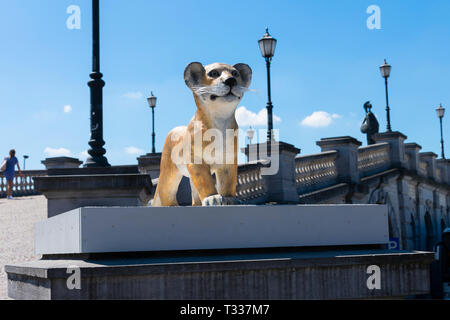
(218, 88)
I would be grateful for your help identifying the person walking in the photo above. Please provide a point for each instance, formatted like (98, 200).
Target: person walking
(11, 162)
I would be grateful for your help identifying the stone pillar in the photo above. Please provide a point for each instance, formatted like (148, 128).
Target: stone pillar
(71, 188)
(149, 164)
(448, 170)
(412, 150)
(396, 142)
(443, 169)
(347, 161)
(430, 159)
(61, 163)
(281, 184)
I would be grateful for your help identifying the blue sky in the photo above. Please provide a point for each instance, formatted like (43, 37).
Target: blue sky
(326, 61)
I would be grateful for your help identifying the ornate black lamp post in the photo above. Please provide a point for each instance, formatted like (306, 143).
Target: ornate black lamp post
(385, 73)
(152, 104)
(267, 44)
(440, 113)
(97, 158)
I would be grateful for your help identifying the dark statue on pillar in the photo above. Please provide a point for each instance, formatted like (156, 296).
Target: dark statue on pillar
(370, 125)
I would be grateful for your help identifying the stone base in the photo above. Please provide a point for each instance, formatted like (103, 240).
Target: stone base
(227, 276)
(103, 230)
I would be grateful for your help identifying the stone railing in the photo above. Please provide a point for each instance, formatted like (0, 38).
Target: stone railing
(316, 171)
(373, 159)
(22, 186)
(251, 187)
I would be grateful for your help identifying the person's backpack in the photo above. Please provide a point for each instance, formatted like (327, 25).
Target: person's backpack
(3, 166)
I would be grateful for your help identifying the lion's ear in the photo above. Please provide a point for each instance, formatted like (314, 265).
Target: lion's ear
(194, 74)
(246, 73)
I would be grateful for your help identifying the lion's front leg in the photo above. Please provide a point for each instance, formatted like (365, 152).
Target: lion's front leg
(227, 180)
(226, 185)
(202, 180)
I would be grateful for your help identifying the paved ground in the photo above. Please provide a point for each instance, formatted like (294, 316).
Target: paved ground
(17, 218)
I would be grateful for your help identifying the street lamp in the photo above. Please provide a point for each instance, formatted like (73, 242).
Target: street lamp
(152, 104)
(440, 113)
(250, 152)
(96, 152)
(267, 45)
(250, 135)
(385, 73)
(24, 161)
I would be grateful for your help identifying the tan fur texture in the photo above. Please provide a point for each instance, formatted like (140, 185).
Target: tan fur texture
(218, 89)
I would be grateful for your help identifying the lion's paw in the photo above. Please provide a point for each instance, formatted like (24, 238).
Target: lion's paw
(218, 200)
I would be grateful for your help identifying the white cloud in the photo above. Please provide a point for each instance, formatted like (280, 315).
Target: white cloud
(247, 118)
(68, 108)
(133, 95)
(61, 152)
(319, 119)
(134, 151)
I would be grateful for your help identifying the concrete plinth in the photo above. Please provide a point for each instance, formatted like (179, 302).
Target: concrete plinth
(228, 276)
(112, 230)
(67, 189)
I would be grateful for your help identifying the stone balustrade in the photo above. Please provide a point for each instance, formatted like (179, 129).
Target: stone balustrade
(316, 171)
(342, 160)
(373, 158)
(22, 186)
(251, 187)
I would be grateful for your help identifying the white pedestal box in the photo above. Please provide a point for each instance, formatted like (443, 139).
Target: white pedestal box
(114, 230)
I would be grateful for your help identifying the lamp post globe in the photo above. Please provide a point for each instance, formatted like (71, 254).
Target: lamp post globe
(385, 69)
(152, 100)
(267, 45)
(386, 73)
(441, 113)
(152, 104)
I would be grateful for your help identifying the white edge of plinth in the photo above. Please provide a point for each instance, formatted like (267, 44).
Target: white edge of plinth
(50, 233)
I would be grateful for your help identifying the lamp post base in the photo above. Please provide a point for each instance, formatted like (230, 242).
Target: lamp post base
(96, 162)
